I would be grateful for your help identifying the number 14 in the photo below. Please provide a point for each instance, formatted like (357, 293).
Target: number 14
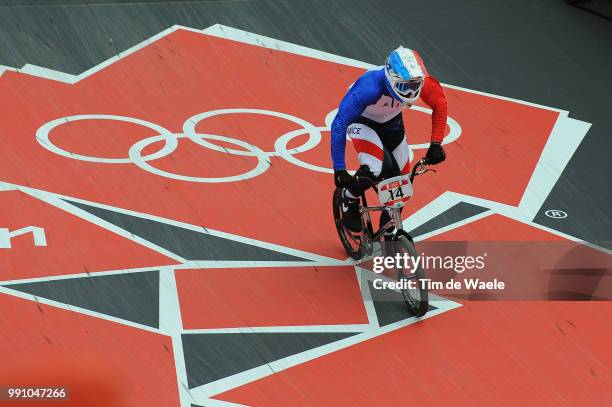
(398, 193)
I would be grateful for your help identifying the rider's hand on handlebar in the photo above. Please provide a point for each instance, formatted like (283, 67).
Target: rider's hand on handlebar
(342, 178)
(435, 153)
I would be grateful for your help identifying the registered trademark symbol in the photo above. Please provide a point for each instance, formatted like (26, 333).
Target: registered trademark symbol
(556, 214)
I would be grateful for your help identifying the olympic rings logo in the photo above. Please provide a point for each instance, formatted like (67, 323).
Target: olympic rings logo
(171, 141)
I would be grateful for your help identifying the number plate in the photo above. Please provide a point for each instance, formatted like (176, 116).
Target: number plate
(395, 192)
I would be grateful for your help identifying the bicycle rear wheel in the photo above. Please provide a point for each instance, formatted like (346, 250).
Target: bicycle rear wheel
(416, 299)
(350, 240)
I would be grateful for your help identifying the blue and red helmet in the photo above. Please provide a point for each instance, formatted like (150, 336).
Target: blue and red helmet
(405, 74)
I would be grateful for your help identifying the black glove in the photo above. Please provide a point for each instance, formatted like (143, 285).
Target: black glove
(435, 153)
(342, 178)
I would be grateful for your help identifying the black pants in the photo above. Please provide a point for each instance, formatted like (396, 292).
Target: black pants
(391, 134)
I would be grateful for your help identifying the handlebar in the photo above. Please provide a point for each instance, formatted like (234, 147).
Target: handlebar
(419, 169)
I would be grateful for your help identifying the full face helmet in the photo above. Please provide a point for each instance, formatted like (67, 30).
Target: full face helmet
(405, 74)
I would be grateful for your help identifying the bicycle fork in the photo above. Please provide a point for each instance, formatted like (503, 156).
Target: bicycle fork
(395, 221)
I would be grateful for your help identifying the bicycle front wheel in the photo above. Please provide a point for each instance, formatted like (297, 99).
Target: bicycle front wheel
(417, 298)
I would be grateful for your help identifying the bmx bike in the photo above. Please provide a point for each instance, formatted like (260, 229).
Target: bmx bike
(393, 194)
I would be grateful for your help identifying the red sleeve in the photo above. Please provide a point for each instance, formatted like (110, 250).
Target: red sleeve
(433, 95)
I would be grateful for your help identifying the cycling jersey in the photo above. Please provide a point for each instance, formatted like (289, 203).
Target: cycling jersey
(369, 98)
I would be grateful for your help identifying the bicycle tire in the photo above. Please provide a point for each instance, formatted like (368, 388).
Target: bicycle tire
(343, 233)
(417, 299)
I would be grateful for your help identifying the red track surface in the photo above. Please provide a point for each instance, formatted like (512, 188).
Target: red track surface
(102, 363)
(270, 297)
(538, 353)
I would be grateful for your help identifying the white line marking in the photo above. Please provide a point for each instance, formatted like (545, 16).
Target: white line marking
(219, 403)
(223, 264)
(356, 328)
(170, 322)
(6, 187)
(80, 275)
(48, 73)
(564, 140)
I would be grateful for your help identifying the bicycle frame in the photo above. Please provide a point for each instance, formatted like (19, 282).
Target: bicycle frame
(394, 213)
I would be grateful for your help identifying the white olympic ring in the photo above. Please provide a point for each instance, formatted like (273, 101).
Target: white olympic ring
(42, 135)
(262, 160)
(189, 131)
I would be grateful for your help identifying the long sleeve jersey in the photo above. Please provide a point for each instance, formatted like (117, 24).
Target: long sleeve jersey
(370, 98)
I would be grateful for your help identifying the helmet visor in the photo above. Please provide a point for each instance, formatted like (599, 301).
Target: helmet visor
(406, 87)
